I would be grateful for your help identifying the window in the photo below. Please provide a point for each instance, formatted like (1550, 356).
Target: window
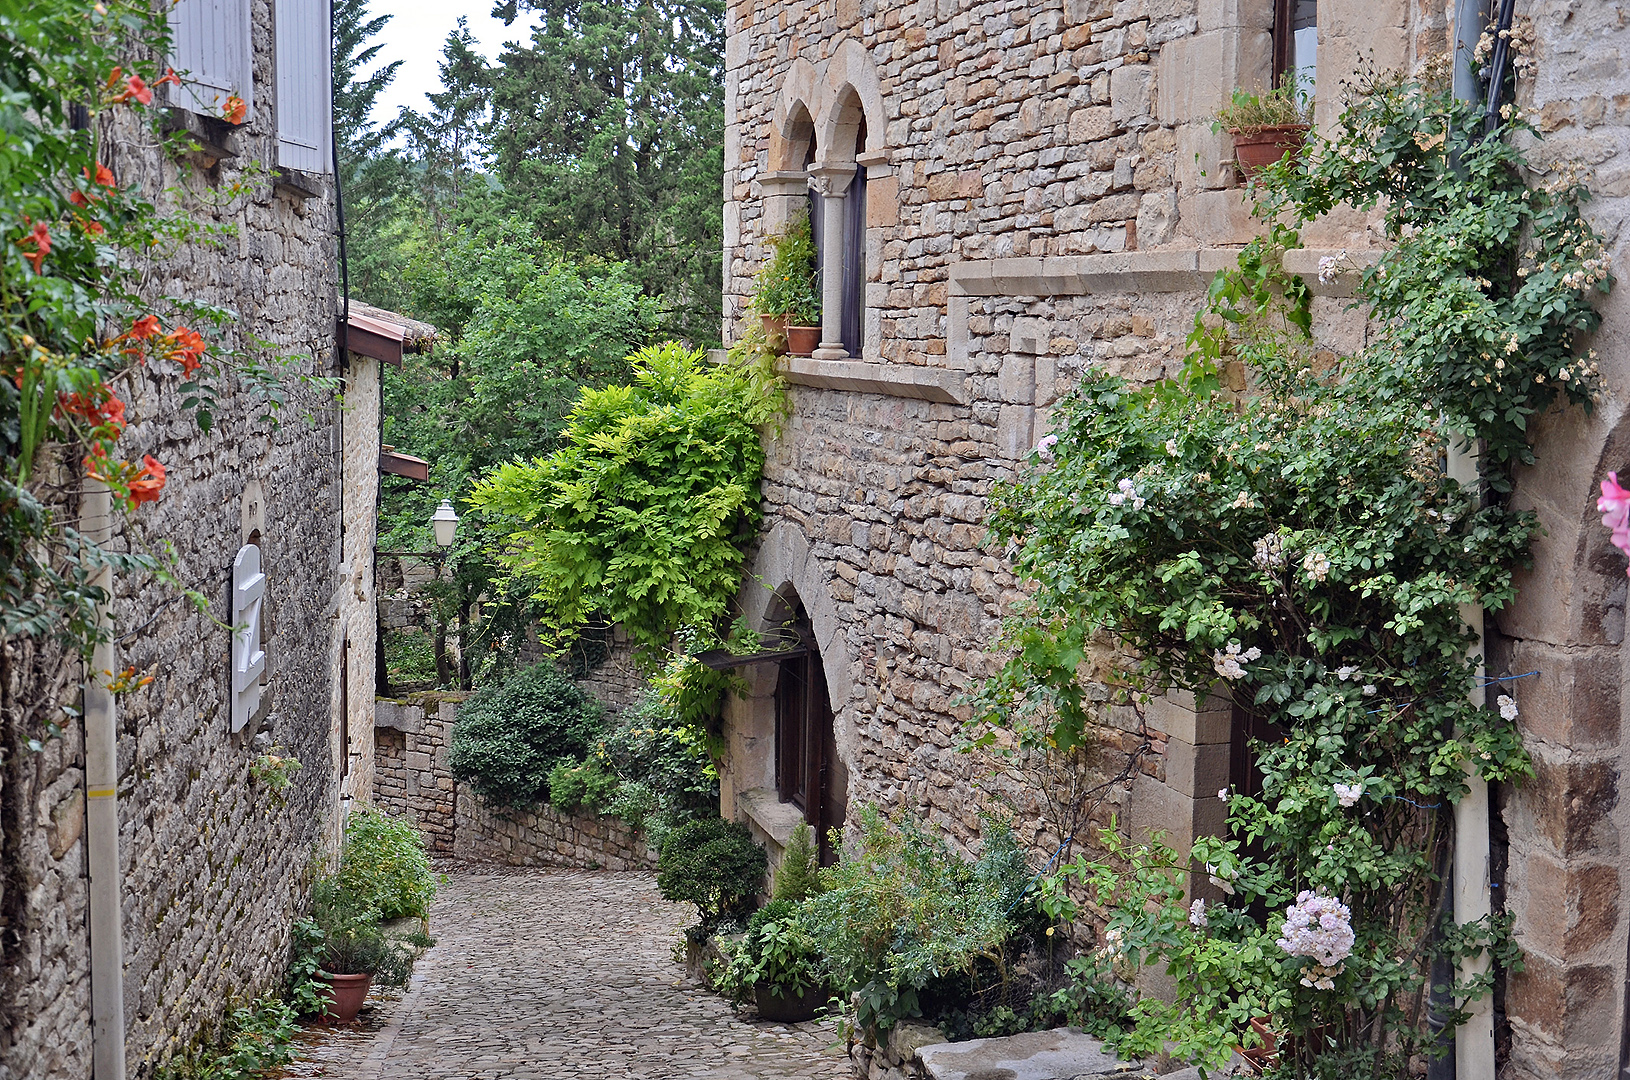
(212, 51)
(1296, 41)
(852, 255)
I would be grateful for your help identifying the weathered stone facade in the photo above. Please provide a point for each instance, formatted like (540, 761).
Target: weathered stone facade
(1043, 192)
(413, 780)
(213, 864)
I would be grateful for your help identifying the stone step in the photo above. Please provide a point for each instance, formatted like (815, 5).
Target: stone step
(1059, 1054)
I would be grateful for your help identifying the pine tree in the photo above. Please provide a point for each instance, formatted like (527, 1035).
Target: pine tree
(797, 878)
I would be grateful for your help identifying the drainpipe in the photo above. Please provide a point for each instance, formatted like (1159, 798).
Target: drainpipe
(102, 817)
(1474, 1040)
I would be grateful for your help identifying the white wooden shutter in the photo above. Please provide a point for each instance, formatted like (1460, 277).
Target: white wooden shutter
(213, 54)
(304, 85)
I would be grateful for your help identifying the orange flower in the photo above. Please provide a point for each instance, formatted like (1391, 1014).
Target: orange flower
(234, 109)
(186, 347)
(142, 329)
(104, 175)
(146, 486)
(78, 198)
(169, 77)
(40, 242)
(104, 412)
(97, 466)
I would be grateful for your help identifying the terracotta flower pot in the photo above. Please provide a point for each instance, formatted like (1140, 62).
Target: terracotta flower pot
(775, 329)
(346, 993)
(801, 340)
(788, 1010)
(1260, 147)
(1264, 1057)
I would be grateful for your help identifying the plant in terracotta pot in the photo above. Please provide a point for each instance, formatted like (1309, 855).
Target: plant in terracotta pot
(350, 949)
(1266, 125)
(788, 292)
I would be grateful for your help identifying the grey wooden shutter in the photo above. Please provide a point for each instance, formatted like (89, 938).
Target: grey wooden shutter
(304, 85)
(213, 54)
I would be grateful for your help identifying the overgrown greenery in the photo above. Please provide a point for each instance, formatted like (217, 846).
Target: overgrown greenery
(511, 734)
(75, 317)
(1302, 548)
(797, 876)
(384, 866)
(640, 518)
(258, 1038)
(901, 910)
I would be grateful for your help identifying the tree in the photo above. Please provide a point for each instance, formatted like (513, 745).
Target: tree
(447, 143)
(607, 132)
(372, 174)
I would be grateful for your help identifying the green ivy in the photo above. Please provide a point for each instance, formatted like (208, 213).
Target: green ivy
(1299, 546)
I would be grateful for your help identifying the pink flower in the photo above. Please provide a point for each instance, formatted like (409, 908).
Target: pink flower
(1615, 508)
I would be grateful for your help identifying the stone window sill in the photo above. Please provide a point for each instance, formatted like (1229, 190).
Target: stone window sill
(769, 814)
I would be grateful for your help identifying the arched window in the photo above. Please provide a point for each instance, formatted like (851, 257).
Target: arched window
(807, 771)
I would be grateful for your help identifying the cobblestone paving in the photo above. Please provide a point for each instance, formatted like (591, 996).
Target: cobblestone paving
(560, 973)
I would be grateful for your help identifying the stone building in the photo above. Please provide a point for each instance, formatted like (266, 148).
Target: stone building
(1007, 193)
(114, 970)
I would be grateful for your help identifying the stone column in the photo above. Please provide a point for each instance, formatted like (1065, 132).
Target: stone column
(831, 183)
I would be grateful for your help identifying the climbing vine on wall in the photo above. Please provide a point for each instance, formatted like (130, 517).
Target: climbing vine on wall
(1301, 548)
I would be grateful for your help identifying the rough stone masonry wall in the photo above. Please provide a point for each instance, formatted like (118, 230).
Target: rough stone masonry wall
(1019, 142)
(1568, 873)
(413, 780)
(212, 862)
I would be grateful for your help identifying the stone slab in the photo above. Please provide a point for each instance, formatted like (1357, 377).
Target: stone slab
(1059, 1054)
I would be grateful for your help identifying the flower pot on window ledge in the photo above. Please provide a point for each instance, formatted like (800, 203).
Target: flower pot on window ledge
(1257, 148)
(775, 331)
(802, 340)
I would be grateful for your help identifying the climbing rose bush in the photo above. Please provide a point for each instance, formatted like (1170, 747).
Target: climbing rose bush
(1298, 548)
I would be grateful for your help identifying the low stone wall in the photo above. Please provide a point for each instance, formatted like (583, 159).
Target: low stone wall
(543, 836)
(413, 779)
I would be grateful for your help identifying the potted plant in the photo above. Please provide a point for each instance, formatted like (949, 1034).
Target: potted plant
(352, 949)
(788, 294)
(1266, 126)
(779, 964)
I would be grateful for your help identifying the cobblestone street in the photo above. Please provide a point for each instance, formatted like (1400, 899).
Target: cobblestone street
(560, 973)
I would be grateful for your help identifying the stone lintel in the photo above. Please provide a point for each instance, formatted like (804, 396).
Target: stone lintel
(895, 380)
(783, 183)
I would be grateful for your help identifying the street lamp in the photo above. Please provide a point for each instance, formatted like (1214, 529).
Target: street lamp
(444, 522)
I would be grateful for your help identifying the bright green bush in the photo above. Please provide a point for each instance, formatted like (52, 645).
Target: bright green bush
(713, 864)
(384, 865)
(641, 517)
(787, 283)
(585, 785)
(508, 737)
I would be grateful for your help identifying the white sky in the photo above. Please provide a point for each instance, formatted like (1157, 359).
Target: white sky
(415, 36)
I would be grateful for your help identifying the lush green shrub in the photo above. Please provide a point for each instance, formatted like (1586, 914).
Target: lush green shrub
(713, 864)
(586, 785)
(258, 1039)
(641, 516)
(901, 910)
(797, 878)
(509, 736)
(384, 865)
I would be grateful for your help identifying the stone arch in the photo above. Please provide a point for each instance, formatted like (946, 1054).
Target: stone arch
(782, 568)
(793, 128)
(851, 97)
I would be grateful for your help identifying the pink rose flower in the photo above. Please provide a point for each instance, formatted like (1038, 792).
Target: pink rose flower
(1615, 508)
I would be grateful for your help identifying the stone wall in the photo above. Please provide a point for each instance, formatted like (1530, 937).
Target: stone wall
(213, 864)
(542, 836)
(1044, 194)
(413, 780)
